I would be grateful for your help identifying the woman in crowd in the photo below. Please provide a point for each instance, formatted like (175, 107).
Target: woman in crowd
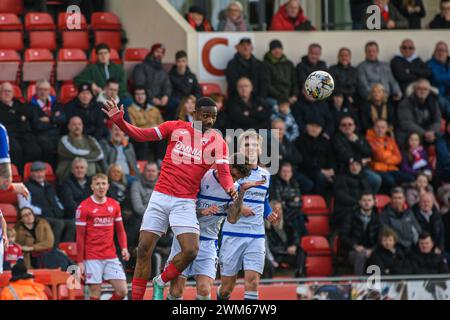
(422, 184)
(187, 108)
(377, 107)
(233, 19)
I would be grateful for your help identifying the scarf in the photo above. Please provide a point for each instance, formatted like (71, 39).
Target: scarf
(233, 26)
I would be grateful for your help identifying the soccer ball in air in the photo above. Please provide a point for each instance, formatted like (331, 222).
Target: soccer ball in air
(319, 85)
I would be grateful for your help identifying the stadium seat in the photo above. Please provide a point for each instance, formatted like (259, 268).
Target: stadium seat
(70, 249)
(18, 93)
(9, 212)
(11, 40)
(115, 57)
(76, 38)
(31, 91)
(315, 245)
(49, 177)
(318, 225)
(141, 165)
(319, 262)
(381, 201)
(11, 6)
(319, 266)
(41, 29)
(105, 21)
(38, 65)
(314, 205)
(209, 88)
(70, 63)
(15, 173)
(132, 57)
(10, 22)
(68, 93)
(9, 64)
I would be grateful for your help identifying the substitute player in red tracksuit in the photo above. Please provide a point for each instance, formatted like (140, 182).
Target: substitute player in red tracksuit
(96, 218)
(192, 150)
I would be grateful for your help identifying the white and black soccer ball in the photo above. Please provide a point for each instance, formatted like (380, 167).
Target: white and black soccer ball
(319, 85)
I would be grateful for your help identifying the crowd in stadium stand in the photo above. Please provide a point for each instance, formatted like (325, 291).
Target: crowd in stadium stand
(385, 130)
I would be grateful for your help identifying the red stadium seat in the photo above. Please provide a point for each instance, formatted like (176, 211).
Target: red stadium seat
(31, 91)
(38, 64)
(9, 212)
(70, 249)
(18, 93)
(41, 28)
(132, 57)
(65, 19)
(319, 262)
(15, 173)
(318, 225)
(105, 21)
(141, 165)
(49, 177)
(115, 57)
(8, 197)
(11, 40)
(70, 63)
(10, 21)
(319, 266)
(381, 201)
(314, 205)
(11, 6)
(112, 38)
(68, 93)
(315, 245)
(9, 64)
(209, 88)
(75, 38)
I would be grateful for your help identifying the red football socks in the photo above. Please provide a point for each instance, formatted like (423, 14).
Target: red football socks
(170, 273)
(115, 296)
(138, 287)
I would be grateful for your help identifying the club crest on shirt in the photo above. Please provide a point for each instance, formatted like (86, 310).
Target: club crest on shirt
(110, 209)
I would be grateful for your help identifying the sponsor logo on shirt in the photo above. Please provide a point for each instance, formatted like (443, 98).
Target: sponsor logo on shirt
(103, 221)
(187, 151)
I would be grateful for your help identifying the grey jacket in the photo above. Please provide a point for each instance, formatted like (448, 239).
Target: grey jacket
(404, 224)
(153, 77)
(140, 193)
(110, 153)
(370, 73)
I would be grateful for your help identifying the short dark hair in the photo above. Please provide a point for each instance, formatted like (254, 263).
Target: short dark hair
(397, 190)
(180, 54)
(283, 101)
(285, 164)
(111, 80)
(245, 168)
(314, 45)
(204, 102)
(425, 235)
(372, 43)
(367, 193)
(136, 88)
(102, 46)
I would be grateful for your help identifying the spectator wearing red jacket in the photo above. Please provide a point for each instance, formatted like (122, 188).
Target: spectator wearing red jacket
(290, 17)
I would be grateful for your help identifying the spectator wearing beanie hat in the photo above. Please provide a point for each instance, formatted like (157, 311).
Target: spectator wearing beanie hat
(97, 74)
(151, 75)
(85, 107)
(197, 19)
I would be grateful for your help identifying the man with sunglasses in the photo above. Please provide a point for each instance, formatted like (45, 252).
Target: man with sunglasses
(407, 67)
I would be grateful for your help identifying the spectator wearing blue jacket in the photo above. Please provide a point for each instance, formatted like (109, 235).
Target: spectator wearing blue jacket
(440, 68)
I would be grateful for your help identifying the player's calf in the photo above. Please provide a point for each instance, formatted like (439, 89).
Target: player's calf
(251, 285)
(95, 291)
(204, 287)
(226, 287)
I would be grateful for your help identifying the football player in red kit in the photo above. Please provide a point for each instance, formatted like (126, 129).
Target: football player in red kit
(96, 218)
(193, 148)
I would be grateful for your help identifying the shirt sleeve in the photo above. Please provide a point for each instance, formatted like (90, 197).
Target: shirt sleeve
(223, 167)
(81, 217)
(81, 222)
(267, 207)
(4, 146)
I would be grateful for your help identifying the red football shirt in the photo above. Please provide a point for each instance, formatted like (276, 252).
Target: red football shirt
(13, 253)
(99, 219)
(190, 154)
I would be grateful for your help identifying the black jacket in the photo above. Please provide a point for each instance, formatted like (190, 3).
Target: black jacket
(426, 263)
(413, 19)
(345, 149)
(367, 121)
(258, 113)
(184, 84)
(288, 152)
(388, 261)
(92, 116)
(52, 128)
(404, 224)
(353, 232)
(345, 79)
(435, 227)
(45, 198)
(304, 69)
(317, 154)
(72, 194)
(17, 119)
(347, 192)
(288, 193)
(305, 110)
(406, 72)
(253, 69)
(439, 22)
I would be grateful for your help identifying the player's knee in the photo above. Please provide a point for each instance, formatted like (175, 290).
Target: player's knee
(251, 283)
(203, 289)
(122, 292)
(191, 253)
(143, 250)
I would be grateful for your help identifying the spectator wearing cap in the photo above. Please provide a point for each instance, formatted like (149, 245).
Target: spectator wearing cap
(345, 75)
(407, 67)
(290, 17)
(310, 63)
(233, 19)
(318, 162)
(398, 217)
(78, 145)
(196, 17)
(440, 69)
(339, 107)
(350, 185)
(420, 113)
(22, 286)
(424, 259)
(18, 119)
(245, 64)
(151, 75)
(377, 106)
(442, 19)
(44, 202)
(281, 74)
(349, 145)
(97, 74)
(386, 156)
(391, 18)
(372, 71)
(247, 110)
(85, 107)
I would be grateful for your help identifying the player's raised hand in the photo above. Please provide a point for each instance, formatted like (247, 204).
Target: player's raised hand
(110, 108)
(20, 188)
(210, 211)
(248, 185)
(125, 254)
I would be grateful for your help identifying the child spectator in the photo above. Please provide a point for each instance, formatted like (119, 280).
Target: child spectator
(283, 111)
(186, 109)
(197, 19)
(387, 255)
(415, 159)
(13, 252)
